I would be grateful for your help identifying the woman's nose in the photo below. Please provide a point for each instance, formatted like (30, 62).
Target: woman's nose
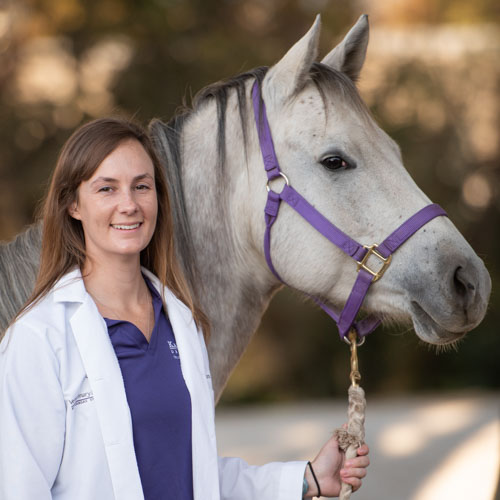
(128, 203)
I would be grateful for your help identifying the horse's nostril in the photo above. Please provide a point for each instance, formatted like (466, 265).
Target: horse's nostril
(464, 285)
(460, 288)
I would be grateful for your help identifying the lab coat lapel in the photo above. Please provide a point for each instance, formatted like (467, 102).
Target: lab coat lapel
(105, 378)
(196, 374)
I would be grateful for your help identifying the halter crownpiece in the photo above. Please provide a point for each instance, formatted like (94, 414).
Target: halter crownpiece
(346, 319)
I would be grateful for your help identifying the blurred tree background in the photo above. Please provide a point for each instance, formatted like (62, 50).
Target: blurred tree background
(431, 80)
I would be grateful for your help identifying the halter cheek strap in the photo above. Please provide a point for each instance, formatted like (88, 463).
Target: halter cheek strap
(362, 254)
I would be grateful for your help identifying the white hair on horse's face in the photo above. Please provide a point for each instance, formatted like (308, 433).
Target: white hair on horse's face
(435, 278)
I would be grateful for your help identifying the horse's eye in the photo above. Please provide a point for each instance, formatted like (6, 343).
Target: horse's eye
(334, 162)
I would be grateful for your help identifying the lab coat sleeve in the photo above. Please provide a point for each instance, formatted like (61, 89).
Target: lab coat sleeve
(32, 415)
(273, 481)
(241, 481)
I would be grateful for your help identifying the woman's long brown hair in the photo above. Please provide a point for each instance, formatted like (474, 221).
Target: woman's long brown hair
(63, 243)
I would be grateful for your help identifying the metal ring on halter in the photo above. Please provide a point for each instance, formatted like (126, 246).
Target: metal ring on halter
(358, 343)
(287, 182)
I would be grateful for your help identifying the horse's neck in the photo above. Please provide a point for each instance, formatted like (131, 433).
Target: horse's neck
(234, 287)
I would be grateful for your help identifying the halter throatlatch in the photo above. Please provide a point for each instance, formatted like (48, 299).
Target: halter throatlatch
(364, 255)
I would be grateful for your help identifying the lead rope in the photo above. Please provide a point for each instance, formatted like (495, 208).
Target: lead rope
(353, 437)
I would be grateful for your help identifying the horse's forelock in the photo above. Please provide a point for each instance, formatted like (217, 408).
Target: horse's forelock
(330, 81)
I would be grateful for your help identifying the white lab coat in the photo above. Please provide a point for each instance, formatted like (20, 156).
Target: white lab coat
(65, 425)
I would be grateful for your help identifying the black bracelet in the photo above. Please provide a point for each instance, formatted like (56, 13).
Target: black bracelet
(315, 479)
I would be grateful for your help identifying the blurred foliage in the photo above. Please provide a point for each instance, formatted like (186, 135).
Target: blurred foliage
(431, 79)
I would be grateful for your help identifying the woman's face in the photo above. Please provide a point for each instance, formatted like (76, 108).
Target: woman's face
(118, 206)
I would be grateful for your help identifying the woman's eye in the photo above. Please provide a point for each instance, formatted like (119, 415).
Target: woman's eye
(334, 163)
(142, 187)
(105, 189)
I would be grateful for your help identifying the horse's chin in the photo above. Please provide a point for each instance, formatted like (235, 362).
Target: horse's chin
(428, 330)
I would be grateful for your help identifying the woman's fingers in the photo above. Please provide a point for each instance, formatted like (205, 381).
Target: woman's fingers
(353, 473)
(357, 462)
(355, 468)
(363, 450)
(354, 482)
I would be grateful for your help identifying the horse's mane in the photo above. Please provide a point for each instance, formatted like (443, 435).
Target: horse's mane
(19, 260)
(166, 137)
(325, 78)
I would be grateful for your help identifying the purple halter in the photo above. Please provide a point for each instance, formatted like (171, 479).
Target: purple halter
(346, 320)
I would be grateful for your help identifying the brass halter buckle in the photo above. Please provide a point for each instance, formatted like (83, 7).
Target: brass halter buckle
(363, 264)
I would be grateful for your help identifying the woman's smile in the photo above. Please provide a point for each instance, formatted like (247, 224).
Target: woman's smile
(126, 227)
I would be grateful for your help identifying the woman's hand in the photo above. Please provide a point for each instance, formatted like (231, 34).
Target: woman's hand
(330, 471)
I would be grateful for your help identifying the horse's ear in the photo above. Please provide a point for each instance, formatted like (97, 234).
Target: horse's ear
(349, 55)
(290, 74)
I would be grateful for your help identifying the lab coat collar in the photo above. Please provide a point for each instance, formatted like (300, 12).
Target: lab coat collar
(70, 288)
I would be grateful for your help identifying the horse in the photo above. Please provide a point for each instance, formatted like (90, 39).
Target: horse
(334, 153)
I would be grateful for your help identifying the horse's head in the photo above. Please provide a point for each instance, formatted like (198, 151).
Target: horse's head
(338, 158)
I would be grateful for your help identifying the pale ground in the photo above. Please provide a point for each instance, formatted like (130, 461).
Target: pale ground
(436, 447)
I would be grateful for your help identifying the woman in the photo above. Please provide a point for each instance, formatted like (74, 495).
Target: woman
(105, 389)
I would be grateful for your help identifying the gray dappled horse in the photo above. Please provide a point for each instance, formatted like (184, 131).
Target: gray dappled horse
(339, 159)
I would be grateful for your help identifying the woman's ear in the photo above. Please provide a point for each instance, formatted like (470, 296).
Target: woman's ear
(73, 211)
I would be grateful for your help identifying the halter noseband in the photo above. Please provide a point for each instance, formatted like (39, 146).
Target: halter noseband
(346, 320)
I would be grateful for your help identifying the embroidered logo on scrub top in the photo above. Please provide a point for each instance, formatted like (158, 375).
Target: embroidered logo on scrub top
(173, 349)
(84, 397)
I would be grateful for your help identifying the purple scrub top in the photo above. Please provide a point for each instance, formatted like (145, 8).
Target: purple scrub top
(159, 403)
